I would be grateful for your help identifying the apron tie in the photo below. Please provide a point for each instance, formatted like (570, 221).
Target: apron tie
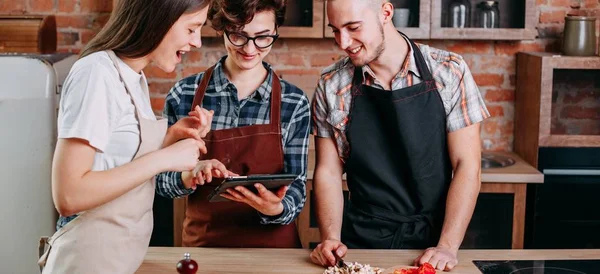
(403, 222)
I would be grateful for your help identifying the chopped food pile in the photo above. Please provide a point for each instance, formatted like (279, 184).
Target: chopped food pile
(426, 268)
(354, 268)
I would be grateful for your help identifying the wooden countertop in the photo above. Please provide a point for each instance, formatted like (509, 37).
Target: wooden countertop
(520, 172)
(230, 260)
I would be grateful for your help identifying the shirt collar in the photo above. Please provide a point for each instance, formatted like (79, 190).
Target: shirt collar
(221, 82)
(409, 65)
(131, 78)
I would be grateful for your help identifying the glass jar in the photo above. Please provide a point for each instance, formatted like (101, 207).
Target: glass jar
(459, 14)
(488, 15)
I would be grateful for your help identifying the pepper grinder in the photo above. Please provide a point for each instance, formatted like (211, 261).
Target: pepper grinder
(187, 265)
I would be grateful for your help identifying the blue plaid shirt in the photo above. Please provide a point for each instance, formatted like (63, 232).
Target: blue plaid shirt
(221, 96)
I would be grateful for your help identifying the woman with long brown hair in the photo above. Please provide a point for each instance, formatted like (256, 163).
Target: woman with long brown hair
(260, 126)
(110, 144)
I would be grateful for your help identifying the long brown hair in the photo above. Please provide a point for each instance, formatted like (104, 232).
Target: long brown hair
(136, 27)
(233, 15)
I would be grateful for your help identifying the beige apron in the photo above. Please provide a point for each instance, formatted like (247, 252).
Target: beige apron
(114, 237)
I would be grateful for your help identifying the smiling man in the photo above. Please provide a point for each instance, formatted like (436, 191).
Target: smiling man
(399, 119)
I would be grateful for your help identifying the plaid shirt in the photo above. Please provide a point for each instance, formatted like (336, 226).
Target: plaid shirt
(221, 96)
(462, 101)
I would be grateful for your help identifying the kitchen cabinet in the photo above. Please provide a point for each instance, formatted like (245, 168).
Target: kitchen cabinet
(557, 130)
(517, 21)
(542, 79)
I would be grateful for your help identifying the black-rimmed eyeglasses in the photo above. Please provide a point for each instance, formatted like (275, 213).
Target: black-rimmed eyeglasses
(260, 41)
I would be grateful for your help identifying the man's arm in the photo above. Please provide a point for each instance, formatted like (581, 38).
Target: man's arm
(329, 202)
(327, 185)
(462, 196)
(465, 185)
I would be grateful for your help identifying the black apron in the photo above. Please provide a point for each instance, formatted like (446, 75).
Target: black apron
(398, 169)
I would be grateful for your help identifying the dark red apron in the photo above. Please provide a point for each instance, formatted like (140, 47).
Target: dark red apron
(255, 149)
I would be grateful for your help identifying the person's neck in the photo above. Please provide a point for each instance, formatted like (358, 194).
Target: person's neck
(136, 64)
(246, 81)
(389, 63)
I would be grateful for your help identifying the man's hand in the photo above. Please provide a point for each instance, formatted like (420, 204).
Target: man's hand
(266, 202)
(323, 253)
(441, 258)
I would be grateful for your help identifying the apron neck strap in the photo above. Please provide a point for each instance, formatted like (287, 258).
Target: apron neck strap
(419, 60)
(115, 60)
(275, 96)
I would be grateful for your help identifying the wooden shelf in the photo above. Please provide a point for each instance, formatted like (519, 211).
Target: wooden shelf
(314, 31)
(420, 32)
(534, 101)
(523, 31)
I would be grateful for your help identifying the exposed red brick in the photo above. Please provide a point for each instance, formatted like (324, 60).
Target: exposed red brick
(495, 110)
(285, 59)
(12, 6)
(557, 127)
(161, 88)
(497, 144)
(324, 59)
(158, 103)
(490, 126)
(190, 70)
(194, 56)
(589, 127)
(471, 47)
(99, 21)
(581, 96)
(67, 38)
(41, 5)
(86, 36)
(563, 3)
(153, 71)
(499, 95)
(96, 5)
(308, 45)
(488, 79)
(66, 5)
(73, 21)
(512, 48)
(556, 16)
(494, 63)
(283, 72)
(507, 128)
(577, 112)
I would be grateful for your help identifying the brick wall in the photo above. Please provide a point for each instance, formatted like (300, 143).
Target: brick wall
(300, 60)
(576, 102)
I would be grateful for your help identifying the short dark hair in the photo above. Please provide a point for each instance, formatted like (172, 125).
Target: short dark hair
(233, 15)
(136, 27)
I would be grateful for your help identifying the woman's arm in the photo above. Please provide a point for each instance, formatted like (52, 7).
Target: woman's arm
(76, 188)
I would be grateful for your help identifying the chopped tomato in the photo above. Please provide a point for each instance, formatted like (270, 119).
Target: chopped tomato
(426, 268)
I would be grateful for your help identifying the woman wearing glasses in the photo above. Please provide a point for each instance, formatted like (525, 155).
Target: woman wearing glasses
(260, 126)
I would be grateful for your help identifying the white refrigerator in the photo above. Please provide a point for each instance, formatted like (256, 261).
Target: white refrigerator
(29, 93)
